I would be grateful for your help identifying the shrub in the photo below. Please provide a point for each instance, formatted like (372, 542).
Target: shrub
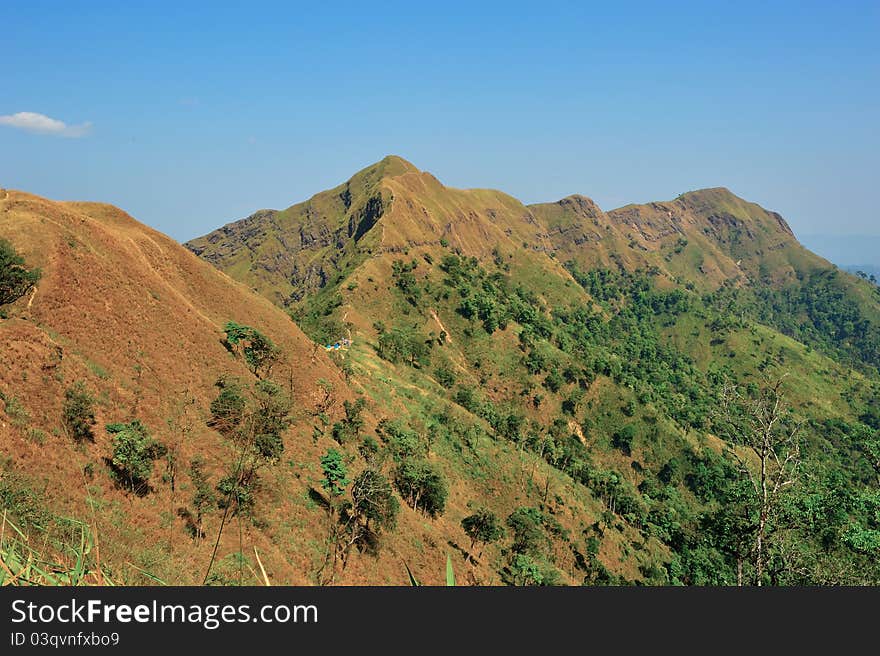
(524, 571)
(77, 413)
(15, 279)
(202, 497)
(237, 491)
(228, 408)
(270, 418)
(350, 427)
(404, 345)
(445, 376)
(623, 439)
(133, 454)
(335, 473)
(402, 442)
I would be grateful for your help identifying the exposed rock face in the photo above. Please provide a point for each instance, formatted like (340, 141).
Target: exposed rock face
(391, 207)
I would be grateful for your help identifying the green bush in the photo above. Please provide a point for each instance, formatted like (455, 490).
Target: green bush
(350, 427)
(404, 345)
(133, 454)
(445, 376)
(15, 279)
(237, 492)
(77, 413)
(335, 473)
(623, 439)
(528, 532)
(228, 408)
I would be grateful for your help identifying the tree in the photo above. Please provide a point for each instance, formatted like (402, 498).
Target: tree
(404, 345)
(259, 352)
(373, 501)
(871, 448)
(203, 496)
(623, 439)
(77, 412)
(237, 492)
(524, 571)
(405, 280)
(133, 454)
(256, 421)
(350, 427)
(528, 531)
(483, 527)
(422, 485)
(445, 375)
(269, 419)
(15, 279)
(335, 473)
(761, 423)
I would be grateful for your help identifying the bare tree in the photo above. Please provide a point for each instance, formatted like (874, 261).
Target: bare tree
(760, 421)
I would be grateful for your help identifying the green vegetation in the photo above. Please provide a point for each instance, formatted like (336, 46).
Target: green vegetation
(349, 428)
(819, 310)
(134, 451)
(335, 473)
(422, 485)
(16, 279)
(553, 410)
(70, 563)
(259, 352)
(405, 345)
(78, 413)
(483, 527)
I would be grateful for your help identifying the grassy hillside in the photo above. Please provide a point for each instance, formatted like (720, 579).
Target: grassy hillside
(549, 394)
(125, 339)
(595, 356)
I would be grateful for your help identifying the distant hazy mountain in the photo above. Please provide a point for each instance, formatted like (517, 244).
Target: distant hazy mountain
(868, 269)
(846, 251)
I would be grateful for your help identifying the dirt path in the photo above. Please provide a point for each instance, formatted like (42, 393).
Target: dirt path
(442, 327)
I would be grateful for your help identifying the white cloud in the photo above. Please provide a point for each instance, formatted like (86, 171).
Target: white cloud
(42, 124)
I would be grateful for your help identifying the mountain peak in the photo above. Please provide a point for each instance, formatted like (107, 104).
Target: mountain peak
(391, 166)
(715, 200)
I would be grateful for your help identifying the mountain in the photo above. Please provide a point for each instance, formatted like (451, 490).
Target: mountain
(707, 236)
(139, 322)
(395, 372)
(704, 240)
(591, 353)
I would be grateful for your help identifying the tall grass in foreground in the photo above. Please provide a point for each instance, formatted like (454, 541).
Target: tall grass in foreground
(21, 563)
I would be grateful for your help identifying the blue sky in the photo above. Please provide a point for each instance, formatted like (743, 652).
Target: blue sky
(189, 117)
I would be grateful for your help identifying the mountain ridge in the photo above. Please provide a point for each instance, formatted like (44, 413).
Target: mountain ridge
(554, 366)
(413, 208)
